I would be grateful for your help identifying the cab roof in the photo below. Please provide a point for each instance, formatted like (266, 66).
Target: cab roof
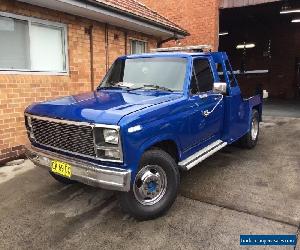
(174, 54)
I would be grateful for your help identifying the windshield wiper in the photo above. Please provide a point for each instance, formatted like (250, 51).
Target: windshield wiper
(157, 87)
(108, 87)
(117, 85)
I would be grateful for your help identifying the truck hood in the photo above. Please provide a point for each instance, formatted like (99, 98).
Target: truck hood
(102, 106)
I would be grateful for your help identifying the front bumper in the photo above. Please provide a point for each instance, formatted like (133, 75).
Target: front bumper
(83, 171)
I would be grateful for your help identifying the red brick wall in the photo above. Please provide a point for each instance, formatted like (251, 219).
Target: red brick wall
(19, 90)
(199, 17)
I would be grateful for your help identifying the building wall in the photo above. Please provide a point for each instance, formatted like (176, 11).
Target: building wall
(199, 17)
(17, 91)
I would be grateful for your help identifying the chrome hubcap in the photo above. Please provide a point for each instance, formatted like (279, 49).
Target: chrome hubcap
(254, 129)
(150, 185)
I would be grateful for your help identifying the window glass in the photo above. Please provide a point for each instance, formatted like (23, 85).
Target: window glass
(14, 44)
(230, 74)
(221, 72)
(138, 47)
(137, 72)
(202, 78)
(30, 46)
(115, 73)
(48, 42)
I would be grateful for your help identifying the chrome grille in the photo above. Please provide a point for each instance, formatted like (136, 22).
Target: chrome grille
(68, 137)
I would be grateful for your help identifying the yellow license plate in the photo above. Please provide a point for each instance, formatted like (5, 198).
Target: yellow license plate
(61, 168)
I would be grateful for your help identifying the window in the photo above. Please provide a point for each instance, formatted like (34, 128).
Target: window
(166, 72)
(228, 71)
(137, 47)
(202, 78)
(221, 71)
(230, 74)
(28, 44)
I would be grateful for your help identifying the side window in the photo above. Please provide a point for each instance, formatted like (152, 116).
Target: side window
(115, 73)
(228, 71)
(221, 72)
(230, 74)
(202, 78)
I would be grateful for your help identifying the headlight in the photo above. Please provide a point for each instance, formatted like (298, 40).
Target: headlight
(111, 136)
(107, 143)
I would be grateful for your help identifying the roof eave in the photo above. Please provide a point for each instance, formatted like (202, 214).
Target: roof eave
(179, 32)
(106, 14)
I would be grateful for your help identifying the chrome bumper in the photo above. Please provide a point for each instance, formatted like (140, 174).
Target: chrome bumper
(83, 171)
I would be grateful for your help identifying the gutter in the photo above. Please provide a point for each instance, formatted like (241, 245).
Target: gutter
(100, 12)
(106, 48)
(89, 31)
(137, 17)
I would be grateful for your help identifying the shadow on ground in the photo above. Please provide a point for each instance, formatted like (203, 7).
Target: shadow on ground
(263, 181)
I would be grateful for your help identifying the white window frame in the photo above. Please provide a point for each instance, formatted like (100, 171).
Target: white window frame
(46, 23)
(132, 39)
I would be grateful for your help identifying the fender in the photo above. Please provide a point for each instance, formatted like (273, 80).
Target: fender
(256, 101)
(150, 143)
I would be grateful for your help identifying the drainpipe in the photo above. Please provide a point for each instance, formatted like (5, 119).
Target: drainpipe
(89, 31)
(106, 48)
(126, 41)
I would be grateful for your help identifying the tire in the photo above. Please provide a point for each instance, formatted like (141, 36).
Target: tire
(155, 187)
(61, 179)
(250, 139)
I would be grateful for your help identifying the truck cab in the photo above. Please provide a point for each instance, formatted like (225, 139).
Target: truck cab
(153, 116)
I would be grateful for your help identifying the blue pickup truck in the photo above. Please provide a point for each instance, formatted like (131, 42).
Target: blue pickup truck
(153, 116)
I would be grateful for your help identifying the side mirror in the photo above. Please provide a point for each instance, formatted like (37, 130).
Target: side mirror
(220, 87)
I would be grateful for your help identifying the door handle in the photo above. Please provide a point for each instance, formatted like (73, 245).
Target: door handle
(205, 113)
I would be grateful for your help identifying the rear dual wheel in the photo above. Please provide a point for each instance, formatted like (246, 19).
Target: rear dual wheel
(250, 139)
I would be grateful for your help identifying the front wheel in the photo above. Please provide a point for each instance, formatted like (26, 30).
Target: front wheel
(155, 186)
(249, 140)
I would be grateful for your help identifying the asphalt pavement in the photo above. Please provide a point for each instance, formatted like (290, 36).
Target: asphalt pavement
(234, 192)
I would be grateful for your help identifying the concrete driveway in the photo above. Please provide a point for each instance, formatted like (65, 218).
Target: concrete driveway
(286, 108)
(234, 192)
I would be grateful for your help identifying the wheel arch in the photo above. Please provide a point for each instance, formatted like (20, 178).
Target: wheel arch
(170, 147)
(167, 144)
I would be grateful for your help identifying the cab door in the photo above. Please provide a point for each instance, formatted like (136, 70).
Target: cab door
(206, 119)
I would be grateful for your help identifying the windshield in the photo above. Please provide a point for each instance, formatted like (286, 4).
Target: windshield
(160, 73)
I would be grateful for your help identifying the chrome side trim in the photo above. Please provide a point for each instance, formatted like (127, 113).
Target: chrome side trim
(201, 155)
(83, 171)
(92, 125)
